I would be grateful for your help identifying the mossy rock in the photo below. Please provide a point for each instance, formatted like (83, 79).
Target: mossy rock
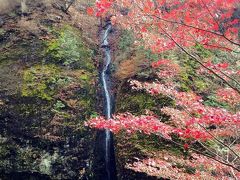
(135, 103)
(83, 76)
(39, 81)
(10, 80)
(138, 102)
(24, 50)
(2, 32)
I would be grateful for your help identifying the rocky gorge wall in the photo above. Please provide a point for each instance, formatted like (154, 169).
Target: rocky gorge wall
(47, 90)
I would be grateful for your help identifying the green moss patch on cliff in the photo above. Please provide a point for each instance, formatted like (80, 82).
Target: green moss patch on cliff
(69, 49)
(40, 81)
(138, 102)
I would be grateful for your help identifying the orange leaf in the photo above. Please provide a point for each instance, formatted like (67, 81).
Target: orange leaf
(187, 17)
(146, 9)
(90, 11)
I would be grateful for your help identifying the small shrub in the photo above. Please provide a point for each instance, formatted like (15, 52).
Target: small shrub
(59, 105)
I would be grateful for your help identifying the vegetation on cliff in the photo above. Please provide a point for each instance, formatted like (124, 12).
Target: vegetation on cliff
(47, 92)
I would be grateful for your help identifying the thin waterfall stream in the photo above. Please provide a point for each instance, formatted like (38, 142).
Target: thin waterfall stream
(107, 106)
(103, 74)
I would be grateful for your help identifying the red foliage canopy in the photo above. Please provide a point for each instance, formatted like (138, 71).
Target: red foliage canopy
(165, 25)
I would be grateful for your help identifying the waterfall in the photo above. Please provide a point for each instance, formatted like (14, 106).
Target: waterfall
(106, 66)
(107, 105)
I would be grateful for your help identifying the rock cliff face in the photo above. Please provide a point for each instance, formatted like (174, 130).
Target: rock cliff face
(47, 90)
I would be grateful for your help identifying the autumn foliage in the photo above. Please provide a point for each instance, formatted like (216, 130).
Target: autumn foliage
(166, 25)
(212, 23)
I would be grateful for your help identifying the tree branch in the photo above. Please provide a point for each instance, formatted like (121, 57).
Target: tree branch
(207, 155)
(197, 28)
(198, 61)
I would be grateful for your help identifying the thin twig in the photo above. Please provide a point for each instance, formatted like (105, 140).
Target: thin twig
(238, 83)
(220, 141)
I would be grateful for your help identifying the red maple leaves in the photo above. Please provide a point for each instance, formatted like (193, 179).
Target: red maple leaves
(229, 96)
(90, 11)
(188, 22)
(102, 7)
(131, 123)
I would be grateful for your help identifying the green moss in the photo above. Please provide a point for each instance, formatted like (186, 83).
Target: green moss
(2, 32)
(138, 102)
(14, 157)
(84, 77)
(68, 49)
(148, 143)
(87, 94)
(5, 151)
(187, 169)
(59, 105)
(87, 105)
(141, 145)
(47, 160)
(200, 85)
(12, 14)
(25, 49)
(39, 81)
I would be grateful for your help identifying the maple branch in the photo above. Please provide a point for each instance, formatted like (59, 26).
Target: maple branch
(216, 154)
(198, 61)
(234, 175)
(219, 141)
(207, 155)
(222, 162)
(194, 27)
(216, 139)
(238, 83)
(210, 12)
(223, 35)
(224, 144)
(220, 47)
(233, 142)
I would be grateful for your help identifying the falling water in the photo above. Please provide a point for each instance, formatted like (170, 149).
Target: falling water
(104, 77)
(107, 62)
